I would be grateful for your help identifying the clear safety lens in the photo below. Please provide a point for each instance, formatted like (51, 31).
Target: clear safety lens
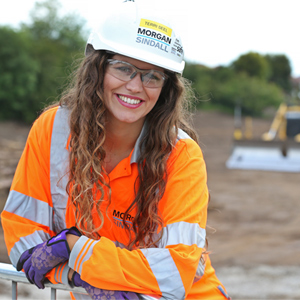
(125, 71)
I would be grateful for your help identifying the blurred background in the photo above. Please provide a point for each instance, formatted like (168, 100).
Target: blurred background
(243, 61)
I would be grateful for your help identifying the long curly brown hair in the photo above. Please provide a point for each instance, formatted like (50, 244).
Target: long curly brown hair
(87, 177)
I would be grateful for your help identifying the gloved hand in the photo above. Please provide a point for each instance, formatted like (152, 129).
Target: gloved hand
(39, 260)
(99, 294)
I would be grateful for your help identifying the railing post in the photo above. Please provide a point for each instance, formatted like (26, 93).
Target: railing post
(8, 272)
(53, 294)
(14, 290)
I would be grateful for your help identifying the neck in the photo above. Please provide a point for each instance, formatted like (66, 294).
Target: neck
(119, 142)
(120, 137)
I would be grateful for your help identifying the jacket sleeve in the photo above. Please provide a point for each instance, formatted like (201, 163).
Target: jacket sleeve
(170, 269)
(27, 218)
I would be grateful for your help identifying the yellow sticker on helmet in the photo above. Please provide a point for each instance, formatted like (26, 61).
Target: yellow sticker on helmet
(156, 26)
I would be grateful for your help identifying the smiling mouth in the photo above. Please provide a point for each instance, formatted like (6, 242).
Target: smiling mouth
(129, 100)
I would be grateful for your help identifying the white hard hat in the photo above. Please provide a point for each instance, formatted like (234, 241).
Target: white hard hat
(138, 34)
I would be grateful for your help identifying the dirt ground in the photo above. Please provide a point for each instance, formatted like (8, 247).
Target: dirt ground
(253, 219)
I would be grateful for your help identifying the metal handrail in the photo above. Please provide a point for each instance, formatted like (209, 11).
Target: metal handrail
(8, 272)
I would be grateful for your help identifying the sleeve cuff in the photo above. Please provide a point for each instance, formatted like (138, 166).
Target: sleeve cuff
(81, 252)
(61, 274)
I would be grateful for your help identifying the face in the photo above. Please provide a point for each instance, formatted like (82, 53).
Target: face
(129, 102)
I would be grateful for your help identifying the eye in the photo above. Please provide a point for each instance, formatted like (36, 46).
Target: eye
(122, 68)
(153, 76)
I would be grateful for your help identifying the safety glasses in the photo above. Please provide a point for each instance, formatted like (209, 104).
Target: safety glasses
(125, 71)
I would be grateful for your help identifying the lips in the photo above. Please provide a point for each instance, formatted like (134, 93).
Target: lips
(129, 100)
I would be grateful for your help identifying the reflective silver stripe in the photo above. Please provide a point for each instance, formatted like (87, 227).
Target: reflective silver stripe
(29, 208)
(165, 272)
(57, 272)
(187, 234)
(59, 166)
(27, 242)
(183, 233)
(61, 273)
(182, 135)
(200, 270)
(81, 252)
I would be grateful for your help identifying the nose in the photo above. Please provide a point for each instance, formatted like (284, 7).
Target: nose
(135, 84)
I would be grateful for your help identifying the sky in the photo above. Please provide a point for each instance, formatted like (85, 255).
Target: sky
(213, 32)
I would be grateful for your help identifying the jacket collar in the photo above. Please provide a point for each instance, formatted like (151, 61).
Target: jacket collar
(138, 146)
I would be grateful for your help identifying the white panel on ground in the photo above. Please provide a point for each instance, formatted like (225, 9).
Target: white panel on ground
(259, 158)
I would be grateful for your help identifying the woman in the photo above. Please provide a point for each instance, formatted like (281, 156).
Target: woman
(110, 193)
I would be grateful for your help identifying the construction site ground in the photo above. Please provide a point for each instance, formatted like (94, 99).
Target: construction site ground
(253, 219)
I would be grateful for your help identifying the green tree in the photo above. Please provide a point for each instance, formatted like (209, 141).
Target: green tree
(254, 95)
(37, 59)
(280, 71)
(221, 88)
(46, 24)
(56, 43)
(201, 78)
(253, 64)
(18, 76)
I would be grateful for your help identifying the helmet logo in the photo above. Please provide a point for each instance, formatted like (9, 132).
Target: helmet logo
(155, 35)
(177, 47)
(156, 26)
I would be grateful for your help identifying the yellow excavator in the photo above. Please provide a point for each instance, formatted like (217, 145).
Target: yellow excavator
(277, 150)
(286, 123)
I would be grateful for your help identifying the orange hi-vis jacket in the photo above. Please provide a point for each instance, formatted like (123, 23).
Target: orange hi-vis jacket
(38, 208)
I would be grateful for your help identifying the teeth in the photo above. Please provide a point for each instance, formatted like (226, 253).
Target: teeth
(129, 100)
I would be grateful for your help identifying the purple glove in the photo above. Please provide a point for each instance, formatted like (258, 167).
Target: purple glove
(99, 294)
(39, 260)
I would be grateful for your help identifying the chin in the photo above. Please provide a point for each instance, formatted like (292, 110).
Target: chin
(130, 119)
